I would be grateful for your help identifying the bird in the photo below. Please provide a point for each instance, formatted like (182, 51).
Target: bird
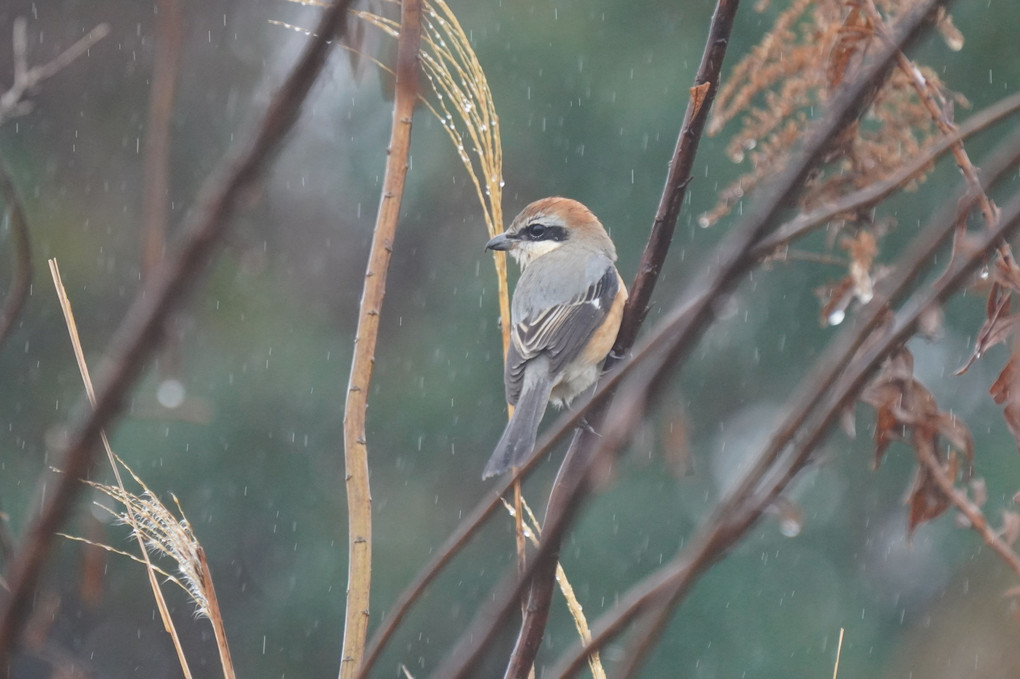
(565, 315)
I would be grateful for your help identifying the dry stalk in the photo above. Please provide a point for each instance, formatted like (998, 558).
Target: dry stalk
(533, 531)
(159, 531)
(464, 107)
(79, 355)
(839, 652)
(359, 499)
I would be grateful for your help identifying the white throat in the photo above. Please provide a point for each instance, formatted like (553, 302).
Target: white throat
(527, 252)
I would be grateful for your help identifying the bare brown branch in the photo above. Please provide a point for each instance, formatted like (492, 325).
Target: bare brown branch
(156, 185)
(14, 101)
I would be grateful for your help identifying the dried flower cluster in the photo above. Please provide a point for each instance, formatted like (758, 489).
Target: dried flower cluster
(813, 48)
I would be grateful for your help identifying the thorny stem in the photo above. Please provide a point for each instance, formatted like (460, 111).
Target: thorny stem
(139, 334)
(359, 498)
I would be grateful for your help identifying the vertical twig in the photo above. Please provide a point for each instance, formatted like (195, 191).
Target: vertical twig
(156, 186)
(139, 334)
(359, 499)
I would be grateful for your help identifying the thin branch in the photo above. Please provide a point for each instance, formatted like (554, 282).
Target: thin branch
(13, 102)
(936, 110)
(359, 498)
(678, 176)
(139, 334)
(156, 172)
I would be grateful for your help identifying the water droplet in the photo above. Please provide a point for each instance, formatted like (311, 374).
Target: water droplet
(836, 317)
(170, 393)
(790, 526)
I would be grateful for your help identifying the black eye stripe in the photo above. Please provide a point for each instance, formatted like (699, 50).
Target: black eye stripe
(537, 231)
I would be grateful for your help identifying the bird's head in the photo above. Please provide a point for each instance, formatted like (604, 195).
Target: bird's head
(549, 224)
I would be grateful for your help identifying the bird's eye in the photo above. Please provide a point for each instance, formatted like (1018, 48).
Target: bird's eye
(535, 231)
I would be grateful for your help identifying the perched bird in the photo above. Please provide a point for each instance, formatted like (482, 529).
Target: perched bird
(565, 314)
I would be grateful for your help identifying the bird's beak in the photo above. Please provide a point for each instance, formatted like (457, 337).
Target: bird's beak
(500, 242)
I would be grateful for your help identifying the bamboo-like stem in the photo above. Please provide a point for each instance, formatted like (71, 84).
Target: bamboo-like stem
(359, 498)
(139, 334)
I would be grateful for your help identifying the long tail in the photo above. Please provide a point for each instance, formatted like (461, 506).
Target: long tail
(518, 438)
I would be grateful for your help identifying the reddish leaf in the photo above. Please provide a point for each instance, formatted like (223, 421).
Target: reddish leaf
(906, 410)
(1004, 392)
(848, 50)
(999, 325)
(1002, 387)
(925, 499)
(1007, 273)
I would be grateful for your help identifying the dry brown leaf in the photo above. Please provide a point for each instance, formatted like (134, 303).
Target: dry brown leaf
(906, 411)
(1005, 393)
(925, 499)
(698, 95)
(849, 48)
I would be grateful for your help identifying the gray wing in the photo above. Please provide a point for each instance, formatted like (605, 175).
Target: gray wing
(559, 332)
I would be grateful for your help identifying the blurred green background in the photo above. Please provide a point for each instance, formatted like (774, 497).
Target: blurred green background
(590, 96)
